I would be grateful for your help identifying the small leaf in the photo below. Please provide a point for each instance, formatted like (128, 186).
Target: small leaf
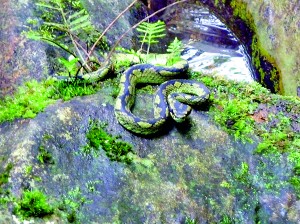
(77, 14)
(80, 20)
(79, 26)
(57, 25)
(47, 6)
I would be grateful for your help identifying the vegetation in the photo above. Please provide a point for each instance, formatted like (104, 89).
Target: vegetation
(33, 204)
(245, 110)
(72, 203)
(44, 156)
(5, 195)
(67, 26)
(28, 100)
(235, 106)
(68, 90)
(98, 138)
(34, 97)
(174, 50)
(150, 33)
(190, 221)
(4, 175)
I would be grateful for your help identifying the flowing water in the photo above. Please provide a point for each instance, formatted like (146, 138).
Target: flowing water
(210, 47)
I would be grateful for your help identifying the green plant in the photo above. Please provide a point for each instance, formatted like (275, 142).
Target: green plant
(66, 25)
(4, 175)
(44, 156)
(72, 203)
(226, 220)
(150, 33)
(91, 186)
(68, 90)
(28, 100)
(33, 97)
(28, 169)
(242, 173)
(190, 221)
(5, 194)
(70, 65)
(174, 50)
(98, 138)
(33, 204)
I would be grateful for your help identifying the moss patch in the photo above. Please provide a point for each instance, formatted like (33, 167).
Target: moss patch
(29, 99)
(115, 149)
(33, 204)
(245, 110)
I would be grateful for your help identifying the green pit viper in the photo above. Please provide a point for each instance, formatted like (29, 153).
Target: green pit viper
(173, 97)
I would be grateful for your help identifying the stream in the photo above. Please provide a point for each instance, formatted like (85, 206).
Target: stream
(210, 47)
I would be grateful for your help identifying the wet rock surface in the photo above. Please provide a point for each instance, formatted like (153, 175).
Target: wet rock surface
(20, 59)
(195, 167)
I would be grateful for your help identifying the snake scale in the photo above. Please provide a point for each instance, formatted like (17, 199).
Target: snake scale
(174, 96)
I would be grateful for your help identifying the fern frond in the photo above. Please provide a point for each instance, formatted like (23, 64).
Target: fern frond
(175, 47)
(77, 14)
(174, 50)
(151, 32)
(79, 20)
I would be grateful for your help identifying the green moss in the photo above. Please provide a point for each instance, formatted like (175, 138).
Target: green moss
(232, 105)
(29, 99)
(33, 97)
(294, 158)
(115, 149)
(190, 221)
(4, 175)
(68, 90)
(72, 203)
(240, 10)
(258, 55)
(226, 219)
(33, 204)
(44, 156)
(236, 107)
(5, 194)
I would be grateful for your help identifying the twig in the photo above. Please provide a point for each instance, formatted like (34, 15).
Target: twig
(73, 40)
(107, 28)
(136, 25)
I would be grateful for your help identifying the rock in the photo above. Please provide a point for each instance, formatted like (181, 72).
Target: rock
(20, 59)
(188, 167)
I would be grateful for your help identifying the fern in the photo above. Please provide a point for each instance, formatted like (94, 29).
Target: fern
(174, 50)
(151, 33)
(66, 25)
(70, 65)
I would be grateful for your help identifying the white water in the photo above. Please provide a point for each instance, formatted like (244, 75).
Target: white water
(210, 47)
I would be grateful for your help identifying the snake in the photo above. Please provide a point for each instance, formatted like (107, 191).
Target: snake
(174, 98)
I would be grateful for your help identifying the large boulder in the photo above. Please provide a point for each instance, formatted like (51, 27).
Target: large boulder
(191, 171)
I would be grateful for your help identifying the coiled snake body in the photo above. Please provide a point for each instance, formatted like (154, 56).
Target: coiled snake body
(173, 97)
